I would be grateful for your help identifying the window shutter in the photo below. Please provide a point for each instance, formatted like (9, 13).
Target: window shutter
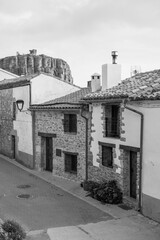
(73, 123)
(107, 156)
(74, 163)
(66, 122)
(115, 120)
(67, 163)
(14, 111)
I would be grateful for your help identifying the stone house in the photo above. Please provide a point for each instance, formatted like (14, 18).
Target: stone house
(61, 142)
(16, 126)
(125, 130)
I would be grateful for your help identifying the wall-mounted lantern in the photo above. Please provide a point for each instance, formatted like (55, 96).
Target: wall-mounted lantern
(20, 104)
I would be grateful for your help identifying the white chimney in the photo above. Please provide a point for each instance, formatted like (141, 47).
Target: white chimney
(95, 82)
(111, 73)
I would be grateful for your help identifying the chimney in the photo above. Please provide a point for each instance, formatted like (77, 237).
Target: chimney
(111, 73)
(95, 82)
(89, 84)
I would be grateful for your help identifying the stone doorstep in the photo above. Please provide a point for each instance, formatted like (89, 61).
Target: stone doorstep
(131, 202)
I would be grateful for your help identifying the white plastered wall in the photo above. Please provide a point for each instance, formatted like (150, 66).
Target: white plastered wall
(151, 141)
(6, 75)
(151, 152)
(23, 122)
(45, 88)
(131, 128)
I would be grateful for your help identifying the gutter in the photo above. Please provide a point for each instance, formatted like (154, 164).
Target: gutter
(85, 114)
(141, 153)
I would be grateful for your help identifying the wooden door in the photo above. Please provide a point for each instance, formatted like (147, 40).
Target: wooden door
(133, 173)
(13, 147)
(49, 154)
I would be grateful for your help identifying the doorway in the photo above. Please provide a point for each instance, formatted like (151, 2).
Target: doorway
(49, 154)
(133, 174)
(13, 147)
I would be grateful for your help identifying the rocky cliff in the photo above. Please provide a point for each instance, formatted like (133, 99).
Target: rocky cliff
(33, 63)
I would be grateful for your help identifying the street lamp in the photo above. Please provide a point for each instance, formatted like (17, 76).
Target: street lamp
(20, 104)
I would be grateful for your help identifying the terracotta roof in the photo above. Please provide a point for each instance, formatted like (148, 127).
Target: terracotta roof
(18, 81)
(142, 86)
(71, 100)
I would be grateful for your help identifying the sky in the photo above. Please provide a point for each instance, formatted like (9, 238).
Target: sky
(84, 32)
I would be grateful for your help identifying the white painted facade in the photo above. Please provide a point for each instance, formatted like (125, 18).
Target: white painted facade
(6, 75)
(23, 123)
(131, 128)
(151, 145)
(45, 88)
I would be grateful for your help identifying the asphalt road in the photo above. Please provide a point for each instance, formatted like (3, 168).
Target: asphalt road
(47, 205)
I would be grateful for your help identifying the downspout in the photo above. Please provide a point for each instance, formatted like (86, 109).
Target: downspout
(33, 124)
(85, 115)
(141, 154)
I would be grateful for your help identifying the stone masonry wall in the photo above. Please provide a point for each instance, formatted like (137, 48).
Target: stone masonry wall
(52, 122)
(6, 121)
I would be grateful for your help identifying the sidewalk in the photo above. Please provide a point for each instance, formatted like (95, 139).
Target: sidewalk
(127, 224)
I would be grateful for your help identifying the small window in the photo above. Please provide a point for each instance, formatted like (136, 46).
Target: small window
(107, 156)
(70, 123)
(112, 121)
(14, 111)
(58, 152)
(71, 163)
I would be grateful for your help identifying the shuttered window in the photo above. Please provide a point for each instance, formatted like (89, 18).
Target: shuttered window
(70, 123)
(112, 121)
(14, 111)
(107, 156)
(71, 163)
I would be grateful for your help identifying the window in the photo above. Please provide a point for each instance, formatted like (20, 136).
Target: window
(71, 163)
(112, 120)
(14, 111)
(58, 152)
(107, 156)
(70, 123)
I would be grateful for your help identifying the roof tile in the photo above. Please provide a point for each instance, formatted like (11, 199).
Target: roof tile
(140, 86)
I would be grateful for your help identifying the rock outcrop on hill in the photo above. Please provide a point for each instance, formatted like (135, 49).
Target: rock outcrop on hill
(32, 63)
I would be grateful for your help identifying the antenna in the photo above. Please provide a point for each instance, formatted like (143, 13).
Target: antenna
(135, 70)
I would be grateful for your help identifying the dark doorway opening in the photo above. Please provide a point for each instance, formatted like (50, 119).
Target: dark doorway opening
(13, 147)
(49, 154)
(133, 174)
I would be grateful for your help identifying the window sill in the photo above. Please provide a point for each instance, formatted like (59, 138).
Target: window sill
(107, 166)
(70, 133)
(71, 172)
(112, 137)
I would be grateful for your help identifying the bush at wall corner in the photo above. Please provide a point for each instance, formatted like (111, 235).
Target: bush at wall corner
(90, 185)
(11, 230)
(106, 192)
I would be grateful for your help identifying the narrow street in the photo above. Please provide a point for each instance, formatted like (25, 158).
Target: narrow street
(36, 204)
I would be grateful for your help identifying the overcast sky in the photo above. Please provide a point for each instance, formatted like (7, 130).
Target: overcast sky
(84, 32)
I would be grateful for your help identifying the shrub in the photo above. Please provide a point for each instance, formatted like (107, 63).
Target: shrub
(90, 185)
(107, 192)
(12, 231)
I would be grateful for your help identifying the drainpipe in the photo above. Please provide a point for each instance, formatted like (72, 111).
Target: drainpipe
(85, 114)
(141, 154)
